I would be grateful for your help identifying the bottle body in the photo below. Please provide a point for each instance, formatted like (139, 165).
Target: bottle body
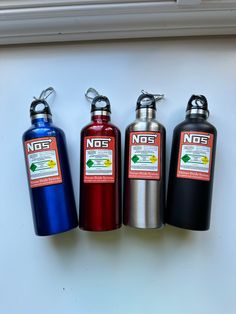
(190, 192)
(144, 192)
(50, 184)
(100, 176)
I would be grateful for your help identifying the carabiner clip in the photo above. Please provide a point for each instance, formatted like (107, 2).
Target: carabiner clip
(45, 93)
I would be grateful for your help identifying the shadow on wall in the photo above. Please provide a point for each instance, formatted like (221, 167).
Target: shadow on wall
(69, 241)
(65, 241)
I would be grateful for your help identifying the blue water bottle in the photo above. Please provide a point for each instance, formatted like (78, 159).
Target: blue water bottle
(49, 177)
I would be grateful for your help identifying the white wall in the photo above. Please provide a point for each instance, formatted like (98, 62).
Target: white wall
(126, 271)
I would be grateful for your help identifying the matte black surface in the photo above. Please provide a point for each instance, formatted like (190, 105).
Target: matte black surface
(188, 200)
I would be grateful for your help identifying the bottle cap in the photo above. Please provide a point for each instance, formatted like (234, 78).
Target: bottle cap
(146, 101)
(95, 109)
(44, 111)
(197, 104)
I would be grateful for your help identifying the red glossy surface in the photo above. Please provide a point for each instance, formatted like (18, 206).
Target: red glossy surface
(100, 203)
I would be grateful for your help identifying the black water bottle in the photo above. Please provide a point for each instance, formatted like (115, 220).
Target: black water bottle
(192, 168)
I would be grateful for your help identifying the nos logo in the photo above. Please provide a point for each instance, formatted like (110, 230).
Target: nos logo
(38, 145)
(98, 142)
(144, 138)
(196, 138)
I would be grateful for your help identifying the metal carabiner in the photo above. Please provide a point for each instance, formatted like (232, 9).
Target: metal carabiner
(156, 96)
(93, 91)
(45, 93)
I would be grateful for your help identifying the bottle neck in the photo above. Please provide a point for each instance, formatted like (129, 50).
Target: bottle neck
(145, 113)
(41, 119)
(100, 116)
(196, 116)
(197, 113)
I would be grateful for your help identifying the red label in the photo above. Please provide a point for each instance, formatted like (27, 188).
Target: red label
(99, 159)
(43, 162)
(145, 155)
(195, 155)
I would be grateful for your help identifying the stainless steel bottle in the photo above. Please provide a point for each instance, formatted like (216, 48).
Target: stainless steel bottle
(144, 173)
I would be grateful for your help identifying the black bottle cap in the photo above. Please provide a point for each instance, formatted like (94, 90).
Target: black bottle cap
(106, 108)
(149, 103)
(197, 104)
(33, 108)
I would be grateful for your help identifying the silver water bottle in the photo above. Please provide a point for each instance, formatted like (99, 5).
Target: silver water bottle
(144, 172)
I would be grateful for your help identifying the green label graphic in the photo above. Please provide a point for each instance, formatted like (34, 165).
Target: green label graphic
(186, 158)
(135, 158)
(89, 163)
(33, 167)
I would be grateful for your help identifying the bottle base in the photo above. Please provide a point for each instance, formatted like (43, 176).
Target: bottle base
(188, 227)
(91, 229)
(56, 232)
(159, 227)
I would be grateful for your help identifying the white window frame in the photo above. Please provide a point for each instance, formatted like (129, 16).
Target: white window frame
(38, 21)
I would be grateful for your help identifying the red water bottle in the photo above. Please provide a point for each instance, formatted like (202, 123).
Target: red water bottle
(100, 174)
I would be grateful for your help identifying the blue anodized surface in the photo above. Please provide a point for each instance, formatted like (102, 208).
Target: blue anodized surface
(53, 206)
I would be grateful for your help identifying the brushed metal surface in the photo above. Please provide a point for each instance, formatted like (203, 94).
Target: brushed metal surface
(144, 200)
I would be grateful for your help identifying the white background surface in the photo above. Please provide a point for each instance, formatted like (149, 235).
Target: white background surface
(170, 271)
